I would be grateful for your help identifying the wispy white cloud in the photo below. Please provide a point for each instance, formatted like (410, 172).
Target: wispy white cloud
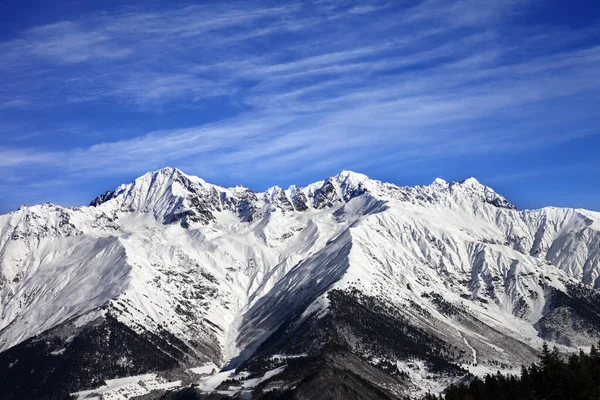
(10, 157)
(312, 85)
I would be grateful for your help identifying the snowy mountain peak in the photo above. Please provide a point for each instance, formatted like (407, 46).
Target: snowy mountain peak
(474, 188)
(439, 183)
(470, 182)
(168, 171)
(173, 196)
(351, 178)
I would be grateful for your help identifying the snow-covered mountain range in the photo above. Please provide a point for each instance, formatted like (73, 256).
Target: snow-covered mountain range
(171, 279)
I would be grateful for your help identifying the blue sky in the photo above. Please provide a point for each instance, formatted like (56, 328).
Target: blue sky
(93, 94)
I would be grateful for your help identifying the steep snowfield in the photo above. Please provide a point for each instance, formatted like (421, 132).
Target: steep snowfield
(58, 280)
(223, 268)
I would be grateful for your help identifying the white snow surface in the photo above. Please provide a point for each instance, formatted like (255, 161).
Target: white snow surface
(127, 388)
(151, 246)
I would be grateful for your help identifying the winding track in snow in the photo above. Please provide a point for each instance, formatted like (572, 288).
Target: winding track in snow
(474, 362)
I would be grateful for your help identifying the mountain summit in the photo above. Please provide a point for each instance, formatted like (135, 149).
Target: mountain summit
(172, 196)
(348, 283)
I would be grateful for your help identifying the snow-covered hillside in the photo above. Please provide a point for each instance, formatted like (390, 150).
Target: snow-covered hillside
(215, 272)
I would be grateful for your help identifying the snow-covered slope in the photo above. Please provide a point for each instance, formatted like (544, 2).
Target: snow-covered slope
(219, 270)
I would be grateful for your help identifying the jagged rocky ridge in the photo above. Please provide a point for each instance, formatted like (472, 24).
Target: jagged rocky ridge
(443, 280)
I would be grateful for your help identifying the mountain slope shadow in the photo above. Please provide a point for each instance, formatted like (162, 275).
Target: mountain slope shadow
(291, 295)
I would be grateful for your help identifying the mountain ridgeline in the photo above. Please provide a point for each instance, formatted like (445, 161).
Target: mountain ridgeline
(172, 287)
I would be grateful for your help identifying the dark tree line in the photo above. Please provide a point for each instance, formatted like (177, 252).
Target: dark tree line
(552, 378)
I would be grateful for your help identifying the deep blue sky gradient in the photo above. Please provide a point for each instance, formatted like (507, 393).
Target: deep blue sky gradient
(94, 94)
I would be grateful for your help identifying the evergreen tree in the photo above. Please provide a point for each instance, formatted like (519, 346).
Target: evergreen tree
(552, 378)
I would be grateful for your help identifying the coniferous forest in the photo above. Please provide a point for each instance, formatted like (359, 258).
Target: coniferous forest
(553, 377)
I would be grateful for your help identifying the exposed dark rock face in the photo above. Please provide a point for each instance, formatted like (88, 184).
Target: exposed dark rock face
(63, 228)
(279, 200)
(245, 205)
(501, 202)
(202, 202)
(352, 192)
(103, 198)
(572, 318)
(299, 201)
(241, 203)
(326, 196)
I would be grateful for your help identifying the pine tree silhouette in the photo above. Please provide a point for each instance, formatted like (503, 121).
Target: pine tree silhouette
(552, 378)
